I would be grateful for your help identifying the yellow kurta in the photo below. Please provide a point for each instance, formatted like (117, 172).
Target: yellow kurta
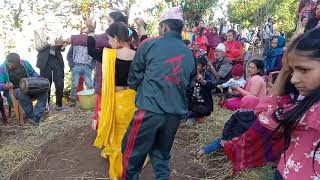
(117, 110)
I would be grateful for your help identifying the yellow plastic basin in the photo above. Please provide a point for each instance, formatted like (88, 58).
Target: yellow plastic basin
(87, 99)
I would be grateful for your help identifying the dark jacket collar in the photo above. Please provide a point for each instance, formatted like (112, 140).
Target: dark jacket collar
(173, 34)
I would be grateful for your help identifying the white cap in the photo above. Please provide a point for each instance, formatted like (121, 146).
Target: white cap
(221, 47)
(173, 13)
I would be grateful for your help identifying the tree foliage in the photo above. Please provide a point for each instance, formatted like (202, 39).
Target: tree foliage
(252, 13)
(20, 17)
(194, 10)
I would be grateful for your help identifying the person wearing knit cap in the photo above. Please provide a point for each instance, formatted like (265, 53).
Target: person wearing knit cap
(239, 122)
(237, 80)
(221, 67)
(160, 72)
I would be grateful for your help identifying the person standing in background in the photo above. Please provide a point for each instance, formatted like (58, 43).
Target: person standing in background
(268, 32)
(49, 58)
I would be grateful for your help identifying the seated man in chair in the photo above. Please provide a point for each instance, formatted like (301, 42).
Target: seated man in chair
(11, 72)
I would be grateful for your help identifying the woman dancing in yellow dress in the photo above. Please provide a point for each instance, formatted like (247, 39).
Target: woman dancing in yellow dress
(117, 106)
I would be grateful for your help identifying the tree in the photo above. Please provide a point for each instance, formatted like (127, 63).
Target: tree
(195, 9)
(21, 17)
(253, 13)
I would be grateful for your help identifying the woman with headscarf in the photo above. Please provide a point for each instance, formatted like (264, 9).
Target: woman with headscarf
(273, 59)
(213, 39)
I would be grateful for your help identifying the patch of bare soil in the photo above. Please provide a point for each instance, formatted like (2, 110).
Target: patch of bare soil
(72, 156)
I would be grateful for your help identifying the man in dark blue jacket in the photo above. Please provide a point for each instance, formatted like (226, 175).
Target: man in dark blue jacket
(160, 73)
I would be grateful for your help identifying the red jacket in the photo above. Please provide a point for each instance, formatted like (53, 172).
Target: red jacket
(203, 42)
(234, 50)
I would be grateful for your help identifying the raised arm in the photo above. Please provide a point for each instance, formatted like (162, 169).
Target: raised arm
(95, 53)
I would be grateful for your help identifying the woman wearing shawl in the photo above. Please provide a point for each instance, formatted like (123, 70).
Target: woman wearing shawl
(213, 39)
(117, 102)
(273, 59)
(95, 44)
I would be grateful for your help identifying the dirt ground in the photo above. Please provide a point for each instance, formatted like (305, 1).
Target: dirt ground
(72, 156)
(62, 148)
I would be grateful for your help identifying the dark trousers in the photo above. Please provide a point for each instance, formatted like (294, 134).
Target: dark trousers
(34, 113)
(54, 72)
(153, 134)
(3, 113)
(199, 111)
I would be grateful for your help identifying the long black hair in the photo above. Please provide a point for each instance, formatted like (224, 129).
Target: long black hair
(120, 30)
(259, 64)
(123, 33)
(117, 16)
(201, 32)
(309, 42)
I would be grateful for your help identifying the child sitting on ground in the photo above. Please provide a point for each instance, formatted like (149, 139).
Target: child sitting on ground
(239, 122)
(200, 103)
(237, 80)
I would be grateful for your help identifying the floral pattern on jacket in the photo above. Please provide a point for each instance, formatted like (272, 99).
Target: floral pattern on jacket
(296, 163)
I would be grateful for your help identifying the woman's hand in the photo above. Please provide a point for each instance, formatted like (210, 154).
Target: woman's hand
(94, 125)
(285, 63)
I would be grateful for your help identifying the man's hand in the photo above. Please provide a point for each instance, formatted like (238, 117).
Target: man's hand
(211, 67)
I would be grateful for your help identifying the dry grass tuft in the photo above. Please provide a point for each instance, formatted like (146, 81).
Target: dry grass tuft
(18, 144)
(216, 164)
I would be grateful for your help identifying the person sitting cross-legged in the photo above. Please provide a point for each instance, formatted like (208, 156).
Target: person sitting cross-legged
(11, 72)
(200, 103)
